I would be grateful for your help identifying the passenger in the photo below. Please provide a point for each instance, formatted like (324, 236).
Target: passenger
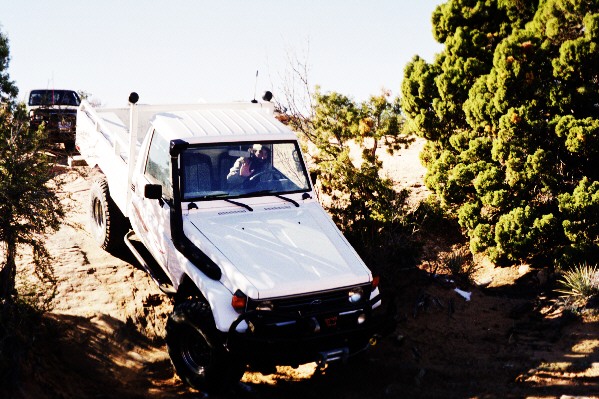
(246, 167)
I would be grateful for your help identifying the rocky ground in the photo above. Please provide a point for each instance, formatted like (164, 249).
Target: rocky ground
(104, 337)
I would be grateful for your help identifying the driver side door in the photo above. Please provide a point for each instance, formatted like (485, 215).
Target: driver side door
(150, 216)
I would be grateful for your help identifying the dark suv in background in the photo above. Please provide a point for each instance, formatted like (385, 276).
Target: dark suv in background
(58, 110)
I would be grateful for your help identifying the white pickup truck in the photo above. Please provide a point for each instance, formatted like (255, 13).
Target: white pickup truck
(216, 204)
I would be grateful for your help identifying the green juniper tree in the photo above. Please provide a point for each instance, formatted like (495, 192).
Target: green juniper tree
(363, 202)
(510, 109)
(343, 139)
(28, 205)
(8, 89)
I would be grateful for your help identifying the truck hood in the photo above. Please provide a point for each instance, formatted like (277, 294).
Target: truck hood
(279, 250)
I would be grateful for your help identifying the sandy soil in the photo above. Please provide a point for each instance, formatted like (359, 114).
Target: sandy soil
(105, 334)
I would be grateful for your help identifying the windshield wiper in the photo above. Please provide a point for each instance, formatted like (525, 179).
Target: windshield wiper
(288, 200)
(246, 206)
(275, 195)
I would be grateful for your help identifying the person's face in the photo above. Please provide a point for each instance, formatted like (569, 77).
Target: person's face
(262, 154)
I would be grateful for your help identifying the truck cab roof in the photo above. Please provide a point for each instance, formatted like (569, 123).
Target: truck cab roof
(194, 123)
(224, 124)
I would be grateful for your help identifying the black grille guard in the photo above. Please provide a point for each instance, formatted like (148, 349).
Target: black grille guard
(253, 315)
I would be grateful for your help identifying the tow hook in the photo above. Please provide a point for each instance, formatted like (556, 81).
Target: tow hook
(374, 340)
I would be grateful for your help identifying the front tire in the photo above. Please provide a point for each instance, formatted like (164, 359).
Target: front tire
(196, 350)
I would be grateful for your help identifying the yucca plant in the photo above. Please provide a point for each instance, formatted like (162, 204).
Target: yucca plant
(580, 283)
(458, 264)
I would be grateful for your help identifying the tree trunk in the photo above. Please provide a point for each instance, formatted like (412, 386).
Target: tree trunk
(8, 273)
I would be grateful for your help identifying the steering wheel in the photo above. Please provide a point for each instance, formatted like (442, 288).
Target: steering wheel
(257, 175)
(269, 175)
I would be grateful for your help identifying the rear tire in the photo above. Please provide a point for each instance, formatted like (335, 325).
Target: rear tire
(197, 352)
(107, 223)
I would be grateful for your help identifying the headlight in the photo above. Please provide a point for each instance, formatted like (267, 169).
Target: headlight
(355, 295)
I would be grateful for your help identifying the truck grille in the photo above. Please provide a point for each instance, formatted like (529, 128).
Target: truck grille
(311, 304)
(56, 120)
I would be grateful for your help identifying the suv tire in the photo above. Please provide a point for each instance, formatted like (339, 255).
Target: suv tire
(195, 350)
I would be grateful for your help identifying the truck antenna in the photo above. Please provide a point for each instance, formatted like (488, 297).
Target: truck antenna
(254, 101)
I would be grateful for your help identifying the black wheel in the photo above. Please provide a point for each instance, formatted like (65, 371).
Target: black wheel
(196, 351)
(107, 223)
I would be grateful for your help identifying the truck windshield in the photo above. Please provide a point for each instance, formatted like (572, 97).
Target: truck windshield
(238, 170)
(53, 97)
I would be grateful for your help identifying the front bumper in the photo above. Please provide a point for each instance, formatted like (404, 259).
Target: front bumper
(60, 126)
(276, 338)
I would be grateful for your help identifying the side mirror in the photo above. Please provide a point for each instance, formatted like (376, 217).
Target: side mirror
(153, 191)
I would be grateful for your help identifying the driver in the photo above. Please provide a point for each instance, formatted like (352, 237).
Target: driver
(244, 168)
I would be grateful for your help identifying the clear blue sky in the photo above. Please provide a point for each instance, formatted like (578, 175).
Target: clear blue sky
(184, 51)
